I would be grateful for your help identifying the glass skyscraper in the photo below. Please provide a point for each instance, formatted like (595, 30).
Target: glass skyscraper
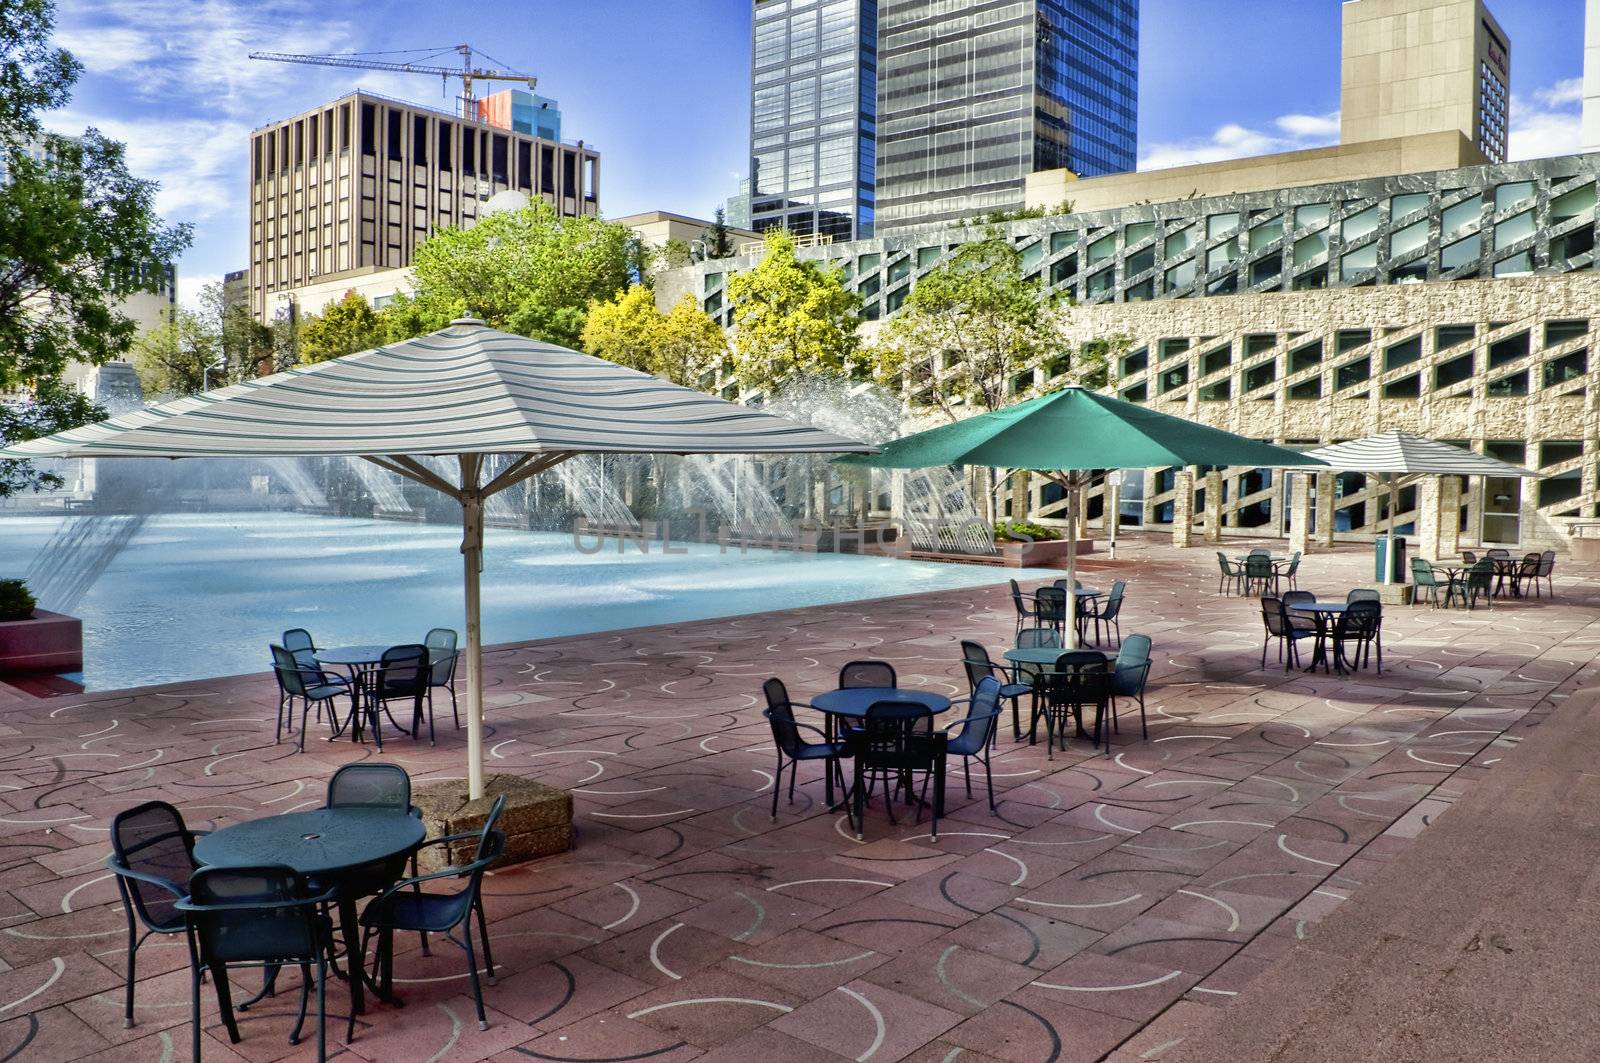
(813, 102)
(974, 96)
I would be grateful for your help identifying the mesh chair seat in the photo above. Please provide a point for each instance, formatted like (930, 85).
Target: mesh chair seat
(432, 913)
(1015, 690)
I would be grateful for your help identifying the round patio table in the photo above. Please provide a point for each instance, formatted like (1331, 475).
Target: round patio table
(853, 702)
(1045, 655)
(325, 844)
(1325, 614)
(361, 661)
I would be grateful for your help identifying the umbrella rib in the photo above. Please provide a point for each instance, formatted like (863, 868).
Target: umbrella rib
(525, 467)
(412, 469)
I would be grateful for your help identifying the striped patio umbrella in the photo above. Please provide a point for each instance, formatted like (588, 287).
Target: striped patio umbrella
(467, 392)
(1401, 458)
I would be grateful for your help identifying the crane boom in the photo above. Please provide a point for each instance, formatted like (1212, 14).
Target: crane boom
(467, 72)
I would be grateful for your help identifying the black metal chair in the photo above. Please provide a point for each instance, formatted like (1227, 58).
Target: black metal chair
(1360, 624)
(152, 855)
(1079, 678)
(868, 674)
(1282, 624)
(258, 917)
(1230, 575)
(1425, 578)
(975, 738)
(1526, 575)
(401, 675)
(896, 740)
(1469, 558)
(1109, 613)
(379, 786)
(1260, 575)
(978, 665)
(1499, 553)
(1129, 674)
(1480, 580)
(1288, 574)
(1024, 612)
(405, 906)
(1050, 607)
(1547, 571)
(786, 737)
(310, 687)
(442, 657)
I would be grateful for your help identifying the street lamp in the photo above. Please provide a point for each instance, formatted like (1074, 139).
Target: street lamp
(219, 366)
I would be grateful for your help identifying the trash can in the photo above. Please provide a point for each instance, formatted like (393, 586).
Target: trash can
(1397, 571)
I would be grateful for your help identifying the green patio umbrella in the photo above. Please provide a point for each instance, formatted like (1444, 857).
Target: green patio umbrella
(1069, 434)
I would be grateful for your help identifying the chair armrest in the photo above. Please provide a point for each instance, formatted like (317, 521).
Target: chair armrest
(119, 868)
(967, 721)
(454, 871)
(814, 730)
(327, 896)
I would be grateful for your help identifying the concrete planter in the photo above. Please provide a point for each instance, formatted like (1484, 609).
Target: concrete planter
(537, 819)
(1024, 555)
(45, 642)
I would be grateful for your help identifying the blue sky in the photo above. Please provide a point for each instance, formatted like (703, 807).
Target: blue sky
(661, 86)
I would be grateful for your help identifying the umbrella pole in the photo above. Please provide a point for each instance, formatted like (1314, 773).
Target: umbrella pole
(472, 567)
(1388, 550)
(1070, 636)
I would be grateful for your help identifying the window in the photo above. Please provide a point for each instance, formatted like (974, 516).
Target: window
(1221, 224)
(1180, 242)
(1140, 261)
(1518, 265)
(1171, 348)
(1350, 374)
(1142, 292)
(419, 140)
(1135, 361)
(1063, 269)
(1181, 276)
(1221, 391)
(1459, 254)
(1264, 234)
(1577, 203)
(1447, 336)
(1143, 230)
(1559, 332)
(1358, 262)
(1305, 357)
(1508, 350)
(1411, 238)
(1351, 338)
(1216, 360)
(1308, 389)
(1100, 283)
(1255, 343)
(1358, 225)
(1402, 353)
(1402, 207)
(1511, 196)
(1102, 249)
(1459, 217)
(1222, 255)
(1311, 216)
(1259, 376)
(1308, 248)
(1513, 386)
(1568, 367)
(1266, 269)
(1062, 240)
(1407, 387)
(1174, 378)
(1449, 374)
(1311, 280)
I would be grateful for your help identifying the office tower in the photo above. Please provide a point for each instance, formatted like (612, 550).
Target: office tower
(974, 97)
(1424, 66)
(813, 96)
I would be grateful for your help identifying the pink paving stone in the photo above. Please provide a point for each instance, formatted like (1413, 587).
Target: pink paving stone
(862, 1019)
(711, 1007)
(1228, 741)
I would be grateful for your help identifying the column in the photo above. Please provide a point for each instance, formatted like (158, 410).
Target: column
(1430, 518)
(1449, 516)
(1213, 514)
(1183, 508)
(1325, 504)
(1300, 506)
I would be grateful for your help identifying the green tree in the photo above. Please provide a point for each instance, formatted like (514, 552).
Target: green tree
(172, 360)
(679, 346)
(78, 234)
(48, 408)
(527, 271)
(245, 344)
(719, 242)
(791, 316)
(968, 327)
(345, 327)
(690, 343)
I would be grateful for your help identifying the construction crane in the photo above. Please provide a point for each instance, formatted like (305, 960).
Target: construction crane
(377, 61)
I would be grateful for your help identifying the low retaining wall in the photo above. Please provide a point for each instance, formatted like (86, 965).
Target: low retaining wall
(46, 642)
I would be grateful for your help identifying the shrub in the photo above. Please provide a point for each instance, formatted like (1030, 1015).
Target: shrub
(16, 601)
(1011, 529)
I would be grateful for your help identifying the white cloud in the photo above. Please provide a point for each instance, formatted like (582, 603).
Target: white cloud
(1547, 122)
(1288, 132)
(189, 287)
(198, 162)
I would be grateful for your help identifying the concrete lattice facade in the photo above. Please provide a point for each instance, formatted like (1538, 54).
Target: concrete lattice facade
(360, 182)
(1490, 349)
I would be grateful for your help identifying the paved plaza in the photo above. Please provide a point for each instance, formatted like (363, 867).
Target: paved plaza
(1115, 908)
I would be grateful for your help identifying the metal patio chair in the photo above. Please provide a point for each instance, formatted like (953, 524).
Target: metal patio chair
(152, 855)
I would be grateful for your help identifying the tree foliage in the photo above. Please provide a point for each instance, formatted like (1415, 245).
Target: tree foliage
(679, 346)
(527, 271)
(718, 241)
(49, 408)
(344, 327)
(791, 316)
(973, 323)
(173, 359)
(78, 234)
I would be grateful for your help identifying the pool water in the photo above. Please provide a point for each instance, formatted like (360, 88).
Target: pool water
(199, 595)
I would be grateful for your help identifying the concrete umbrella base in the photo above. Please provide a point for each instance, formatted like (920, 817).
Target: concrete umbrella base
(537, 819)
